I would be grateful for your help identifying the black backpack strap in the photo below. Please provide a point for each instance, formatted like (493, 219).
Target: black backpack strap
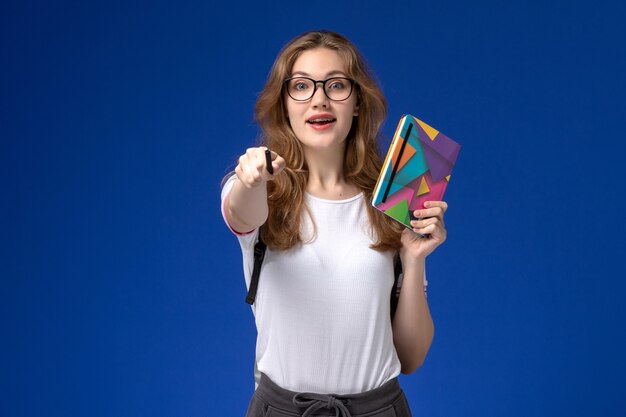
(259, 255)
(397, 283)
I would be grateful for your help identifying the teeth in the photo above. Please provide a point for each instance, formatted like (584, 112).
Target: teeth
(321, 120)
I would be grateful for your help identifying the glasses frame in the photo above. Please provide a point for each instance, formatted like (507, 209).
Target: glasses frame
(315, 83)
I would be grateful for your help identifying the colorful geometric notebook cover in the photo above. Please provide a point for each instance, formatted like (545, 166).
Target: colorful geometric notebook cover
(417, 169)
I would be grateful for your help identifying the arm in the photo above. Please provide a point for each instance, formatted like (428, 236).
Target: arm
(245, 206)
(413, 328)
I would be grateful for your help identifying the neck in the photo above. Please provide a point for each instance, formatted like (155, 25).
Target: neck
(326, 178)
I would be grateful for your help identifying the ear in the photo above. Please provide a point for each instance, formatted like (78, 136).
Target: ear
(356, 106)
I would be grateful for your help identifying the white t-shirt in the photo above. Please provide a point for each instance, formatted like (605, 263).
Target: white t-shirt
(322, 307)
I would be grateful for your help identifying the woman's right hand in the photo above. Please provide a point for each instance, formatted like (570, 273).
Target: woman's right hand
(245, 205)
(252, 167)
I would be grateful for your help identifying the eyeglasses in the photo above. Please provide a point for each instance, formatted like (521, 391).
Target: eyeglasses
(303, 88)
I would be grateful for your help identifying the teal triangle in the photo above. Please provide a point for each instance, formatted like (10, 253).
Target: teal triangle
(415, 167)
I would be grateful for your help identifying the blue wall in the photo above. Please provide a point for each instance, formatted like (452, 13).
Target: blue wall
(121, 289)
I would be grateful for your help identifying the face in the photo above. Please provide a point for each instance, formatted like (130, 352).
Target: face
(321, 123)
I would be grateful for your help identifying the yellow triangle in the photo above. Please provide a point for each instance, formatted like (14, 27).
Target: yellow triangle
(430, 131)
(423, 188)
(448, 178)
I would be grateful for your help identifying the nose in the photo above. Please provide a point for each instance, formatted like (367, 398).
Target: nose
(319, 98)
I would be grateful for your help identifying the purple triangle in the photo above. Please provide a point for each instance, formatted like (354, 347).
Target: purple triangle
(440, 153)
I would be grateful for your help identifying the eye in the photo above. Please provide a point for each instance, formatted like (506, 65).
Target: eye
(299, 84)
(337, 84)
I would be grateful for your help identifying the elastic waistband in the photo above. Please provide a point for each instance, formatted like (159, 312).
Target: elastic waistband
(305, 403)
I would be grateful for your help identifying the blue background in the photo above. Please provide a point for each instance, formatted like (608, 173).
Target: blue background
(122, 290)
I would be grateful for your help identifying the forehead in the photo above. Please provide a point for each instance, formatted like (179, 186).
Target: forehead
(319, 63)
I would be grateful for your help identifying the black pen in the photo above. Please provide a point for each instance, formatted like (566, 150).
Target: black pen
(268, 161)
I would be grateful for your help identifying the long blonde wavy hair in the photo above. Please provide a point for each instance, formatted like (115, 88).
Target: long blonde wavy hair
(362, 161)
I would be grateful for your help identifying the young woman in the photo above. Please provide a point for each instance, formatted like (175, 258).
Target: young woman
(326, 342)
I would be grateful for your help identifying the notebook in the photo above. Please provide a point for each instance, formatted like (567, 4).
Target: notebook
(417, 169)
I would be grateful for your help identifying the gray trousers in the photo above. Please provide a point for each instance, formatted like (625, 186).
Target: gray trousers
(270, 400)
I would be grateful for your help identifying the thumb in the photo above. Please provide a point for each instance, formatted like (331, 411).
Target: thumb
(278, 164)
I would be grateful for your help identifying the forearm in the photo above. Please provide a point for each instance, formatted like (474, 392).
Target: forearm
(246, 207)
(413, 328)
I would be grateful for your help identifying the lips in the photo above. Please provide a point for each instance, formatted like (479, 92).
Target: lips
(321, 119)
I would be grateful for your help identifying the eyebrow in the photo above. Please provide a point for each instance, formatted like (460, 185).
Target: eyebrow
(330, 74)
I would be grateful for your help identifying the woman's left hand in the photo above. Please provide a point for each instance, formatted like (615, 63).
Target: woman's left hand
(431, 224)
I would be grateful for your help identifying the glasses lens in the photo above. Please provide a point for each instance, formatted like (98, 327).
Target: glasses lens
(300, 88)
(338, 89)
